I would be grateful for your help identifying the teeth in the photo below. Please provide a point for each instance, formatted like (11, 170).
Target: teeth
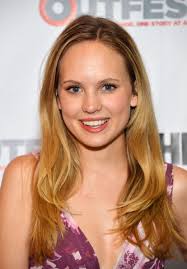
(94, 123)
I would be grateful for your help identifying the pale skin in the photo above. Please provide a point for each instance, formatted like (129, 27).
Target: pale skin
(103, 157)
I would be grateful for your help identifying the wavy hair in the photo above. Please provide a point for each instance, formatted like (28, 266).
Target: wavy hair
(144, 198)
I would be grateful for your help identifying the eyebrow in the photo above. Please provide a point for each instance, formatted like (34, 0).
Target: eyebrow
(99, 82)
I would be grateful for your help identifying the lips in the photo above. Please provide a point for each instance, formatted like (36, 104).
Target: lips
(94, 125)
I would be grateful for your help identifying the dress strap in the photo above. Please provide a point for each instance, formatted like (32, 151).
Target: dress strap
(169, 180)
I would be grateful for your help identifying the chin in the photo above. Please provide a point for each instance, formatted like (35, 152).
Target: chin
(95, 141)
(95, 145)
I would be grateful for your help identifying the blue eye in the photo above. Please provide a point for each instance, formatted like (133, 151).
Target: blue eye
(109, 87)
(73, 89)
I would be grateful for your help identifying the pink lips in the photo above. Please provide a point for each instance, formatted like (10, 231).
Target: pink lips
(90, 128)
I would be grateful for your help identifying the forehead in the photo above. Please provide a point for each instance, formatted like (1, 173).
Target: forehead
(92, 57)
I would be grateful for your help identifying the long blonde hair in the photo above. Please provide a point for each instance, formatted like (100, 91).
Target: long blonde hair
(144, 198)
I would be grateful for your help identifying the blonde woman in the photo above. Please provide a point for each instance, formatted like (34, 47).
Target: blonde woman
(98, 194)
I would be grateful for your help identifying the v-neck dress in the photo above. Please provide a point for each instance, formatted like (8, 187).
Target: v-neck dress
(76, 252)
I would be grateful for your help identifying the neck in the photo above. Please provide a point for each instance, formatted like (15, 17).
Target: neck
(108, 160)
(104, 172)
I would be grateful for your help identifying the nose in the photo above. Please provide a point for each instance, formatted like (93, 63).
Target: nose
(91, 103)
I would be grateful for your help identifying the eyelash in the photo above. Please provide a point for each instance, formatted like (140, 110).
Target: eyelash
(72, 87)
(69, 89)
(112, 85)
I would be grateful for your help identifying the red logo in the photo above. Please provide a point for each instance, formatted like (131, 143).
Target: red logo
(58, 12)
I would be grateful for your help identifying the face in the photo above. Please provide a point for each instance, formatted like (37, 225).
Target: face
(95, 94)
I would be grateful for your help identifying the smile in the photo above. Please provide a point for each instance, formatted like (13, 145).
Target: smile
(94, 126)
(94, 123)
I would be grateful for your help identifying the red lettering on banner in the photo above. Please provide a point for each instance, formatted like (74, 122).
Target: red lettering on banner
(127, 23)
(161, 23)
(177, 23)
(154, 23)
(142, 23)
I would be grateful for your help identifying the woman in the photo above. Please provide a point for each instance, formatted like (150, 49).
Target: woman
(98, 195)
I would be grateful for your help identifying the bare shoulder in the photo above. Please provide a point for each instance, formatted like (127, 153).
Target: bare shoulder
(179, 185)
(18, 174)
(15, 211)
(180, 201)
(20, 163)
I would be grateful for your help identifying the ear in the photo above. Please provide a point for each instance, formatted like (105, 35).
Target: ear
(134, 100)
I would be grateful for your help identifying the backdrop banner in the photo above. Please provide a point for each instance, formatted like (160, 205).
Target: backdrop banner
(28, 29)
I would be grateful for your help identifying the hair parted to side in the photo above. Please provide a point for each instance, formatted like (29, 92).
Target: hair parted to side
(144, 198)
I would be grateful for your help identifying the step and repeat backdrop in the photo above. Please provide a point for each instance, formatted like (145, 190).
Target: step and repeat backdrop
(28, 29)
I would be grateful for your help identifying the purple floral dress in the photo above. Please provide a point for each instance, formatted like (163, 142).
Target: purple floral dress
(76, 252)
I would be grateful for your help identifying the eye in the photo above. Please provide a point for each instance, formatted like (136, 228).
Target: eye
(73, 89)
(109, 87)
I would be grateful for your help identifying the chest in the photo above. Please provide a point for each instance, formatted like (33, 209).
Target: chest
(98, 252)
(96, 218)
(88, 243)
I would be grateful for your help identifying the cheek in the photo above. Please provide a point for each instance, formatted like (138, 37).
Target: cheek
(119, 105)
(69, 107)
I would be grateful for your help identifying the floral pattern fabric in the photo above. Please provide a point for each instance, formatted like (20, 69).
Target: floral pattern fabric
(75, 252)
